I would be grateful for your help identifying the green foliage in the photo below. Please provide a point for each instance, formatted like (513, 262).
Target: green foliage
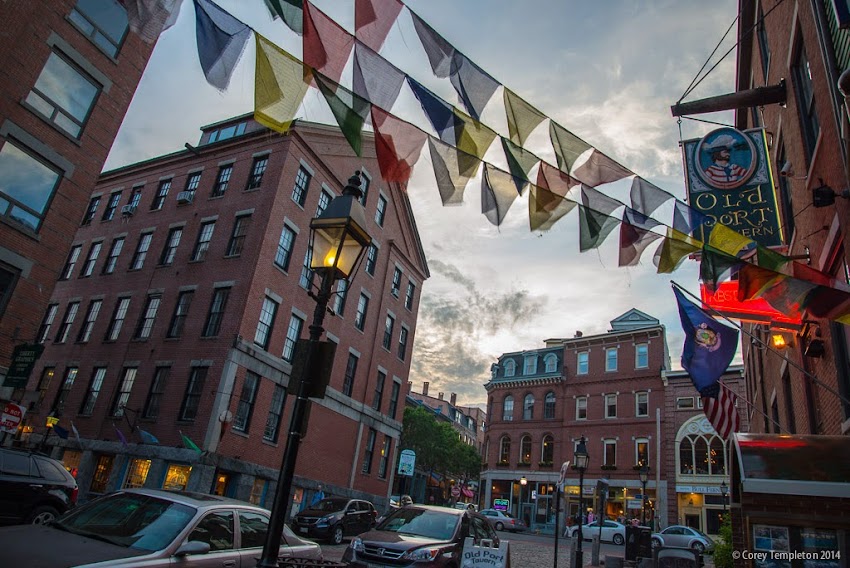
(723, 545)
(438, 446)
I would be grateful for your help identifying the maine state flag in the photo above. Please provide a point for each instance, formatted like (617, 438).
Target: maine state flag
(709, 345)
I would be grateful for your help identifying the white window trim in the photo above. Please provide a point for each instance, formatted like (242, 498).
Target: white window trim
(637, 397)
(617, 359)
(579, 399)
(637, 365)
(605, 402)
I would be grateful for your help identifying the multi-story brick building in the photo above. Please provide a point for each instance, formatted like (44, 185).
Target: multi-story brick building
(696, 458)
(180, 303)
(68, 71)
(606, 387)
(465, 420)
(808, 46)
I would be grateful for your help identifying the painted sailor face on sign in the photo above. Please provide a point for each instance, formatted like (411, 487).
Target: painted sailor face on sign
(726, 159)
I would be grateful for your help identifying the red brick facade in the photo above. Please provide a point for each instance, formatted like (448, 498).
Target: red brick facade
(353, 434)
(32, 33)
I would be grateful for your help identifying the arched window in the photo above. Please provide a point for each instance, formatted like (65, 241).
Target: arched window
(686, 456)
(551, 363)
(701, 456)
(510, 368)
(508, 409)
(547, 454)
(528, 407)
(525, 449)
(549, 405)
(505, 450)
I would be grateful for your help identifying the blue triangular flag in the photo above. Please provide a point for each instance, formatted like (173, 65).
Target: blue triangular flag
(61, 432)
(147, 437)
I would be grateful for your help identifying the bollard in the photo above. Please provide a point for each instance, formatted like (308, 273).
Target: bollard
(594, 557)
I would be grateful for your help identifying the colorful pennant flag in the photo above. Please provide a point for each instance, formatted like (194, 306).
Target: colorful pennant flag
(290, 11)
(715, 265)
(440, 114)
(147, 437)
(646, 197)
(673, 250)
(373, 20)
(60, 431)
(326, 44)
(595, 220)
(76, 434)
(189, 444)
(452, 169)
(439, 51)
(376, 79)
(397, 145)
(498, 193)
(709, 345)
(720, 407)
(520, 162)
(522, 117)
(568, 147)
(221, 41)
(149, 18)
(599, 169)
(473, 85)
(635, 236)
(281, 83)
(349, 110)
(548, 201)
(121, 435)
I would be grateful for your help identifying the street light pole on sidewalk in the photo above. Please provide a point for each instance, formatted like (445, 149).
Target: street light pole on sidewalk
(580, 458)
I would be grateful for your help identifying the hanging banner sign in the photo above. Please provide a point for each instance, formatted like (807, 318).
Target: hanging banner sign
(730, 181)
(724, 300)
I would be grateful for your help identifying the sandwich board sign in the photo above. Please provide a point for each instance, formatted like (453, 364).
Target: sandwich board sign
(484, 555)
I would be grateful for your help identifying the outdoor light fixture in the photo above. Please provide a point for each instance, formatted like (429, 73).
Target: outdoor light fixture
(824, 196)
(338, 238)
(724, 491)
(580, 461)
(778, 341)
(643, 473)
(523, 481)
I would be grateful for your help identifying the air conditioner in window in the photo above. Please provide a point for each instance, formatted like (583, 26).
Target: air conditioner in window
(128, 210)
(185, 197)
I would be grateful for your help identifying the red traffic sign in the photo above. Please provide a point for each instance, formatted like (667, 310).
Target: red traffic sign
(455, 491)
(11, 417)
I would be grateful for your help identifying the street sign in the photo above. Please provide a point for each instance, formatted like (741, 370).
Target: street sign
(406, 462)
(24, 357)
(11, 417)
(634, 504)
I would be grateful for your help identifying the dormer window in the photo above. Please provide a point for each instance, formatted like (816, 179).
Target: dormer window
(510, 368)
(551, 361)
(227, 132)
(530, 365)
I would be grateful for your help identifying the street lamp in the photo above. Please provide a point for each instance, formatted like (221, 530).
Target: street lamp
(338, 238)
(522, 483)
(580, 460)
(724, 491)
(644, 477)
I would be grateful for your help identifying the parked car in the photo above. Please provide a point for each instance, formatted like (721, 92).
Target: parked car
(611, 531)
(334, 518)
(680, 536)
(150, 528)
(33, 488)
(500, 520)
(422, 535)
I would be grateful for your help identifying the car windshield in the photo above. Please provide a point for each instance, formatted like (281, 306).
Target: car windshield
(421, 522)
(131, 520)
(331, 505)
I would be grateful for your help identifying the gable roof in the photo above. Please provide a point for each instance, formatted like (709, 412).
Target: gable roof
(633, 319)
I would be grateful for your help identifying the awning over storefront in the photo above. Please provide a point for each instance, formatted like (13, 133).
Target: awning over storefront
(793, 465)
(467, 492)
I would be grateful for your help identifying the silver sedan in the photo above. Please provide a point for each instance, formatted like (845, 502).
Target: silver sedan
(151, 528)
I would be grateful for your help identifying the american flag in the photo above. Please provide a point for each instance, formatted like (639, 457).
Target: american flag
(718, 403)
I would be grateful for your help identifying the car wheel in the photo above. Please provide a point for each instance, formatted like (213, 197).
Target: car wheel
(42, 515)
(336, 535)
(500, 526)
(618, 539)
(656, 543)
(698, 547)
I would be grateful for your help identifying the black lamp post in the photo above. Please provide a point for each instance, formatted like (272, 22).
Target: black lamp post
(724, 491)
(338, 238)
(644, 477)
(522, 483)
(580, 460)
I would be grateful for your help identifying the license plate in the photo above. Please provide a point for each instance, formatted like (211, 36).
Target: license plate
(303, 529)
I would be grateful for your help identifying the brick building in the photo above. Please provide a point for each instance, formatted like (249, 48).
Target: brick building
(607, 388)
(808, 45)
(179, 305)
(696, 458)
(467, 421)
(69, 71)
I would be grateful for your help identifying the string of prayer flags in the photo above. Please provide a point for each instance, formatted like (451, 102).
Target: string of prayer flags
(281, 81)
(595, 220)
(373, 20)
(376, 79)
(646, 197)
(221, 41)
(520, 162)
(349, 110)
(568, 147)
(547, 202)
(635, 236)
(498, 193)
(149, 18)
(326, 44)
(675, 247)
(599, 169)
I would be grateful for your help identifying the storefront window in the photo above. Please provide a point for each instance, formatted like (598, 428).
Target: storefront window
(258, 492)
(102, 469)
(137, 473)
(177, 477)
(717, 457)
(220, 484)
(71, 461)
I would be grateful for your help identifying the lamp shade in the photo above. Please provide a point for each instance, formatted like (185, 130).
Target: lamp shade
(724, 489)
(338, 236)
(644, 473)
(523, 480)
(581, 458)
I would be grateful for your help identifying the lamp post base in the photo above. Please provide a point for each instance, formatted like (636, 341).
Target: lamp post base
(578, 561)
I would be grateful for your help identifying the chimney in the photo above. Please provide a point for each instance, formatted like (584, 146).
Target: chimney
(425, 388)
(579, 334)
(440, 396)
(453, 399)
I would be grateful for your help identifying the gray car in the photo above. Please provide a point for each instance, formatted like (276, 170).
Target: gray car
(150, 528)
(680, 536)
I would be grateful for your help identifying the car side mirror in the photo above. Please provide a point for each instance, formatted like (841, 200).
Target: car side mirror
(193, 547)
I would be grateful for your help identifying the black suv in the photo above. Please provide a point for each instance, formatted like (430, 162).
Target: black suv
(334, 518)
(33, 488)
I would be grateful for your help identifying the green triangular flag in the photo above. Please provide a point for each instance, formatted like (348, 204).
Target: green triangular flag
(349, 109)
(189, 443)
(594, 227)
(290, 11)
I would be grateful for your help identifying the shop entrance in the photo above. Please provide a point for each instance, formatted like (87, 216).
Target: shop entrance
(692, 521)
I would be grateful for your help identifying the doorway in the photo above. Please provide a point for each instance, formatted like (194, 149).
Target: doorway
(693, 521)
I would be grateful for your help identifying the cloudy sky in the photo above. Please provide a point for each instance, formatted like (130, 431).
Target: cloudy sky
(607, 70)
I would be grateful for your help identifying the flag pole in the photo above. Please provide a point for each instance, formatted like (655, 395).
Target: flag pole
(764, 345)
